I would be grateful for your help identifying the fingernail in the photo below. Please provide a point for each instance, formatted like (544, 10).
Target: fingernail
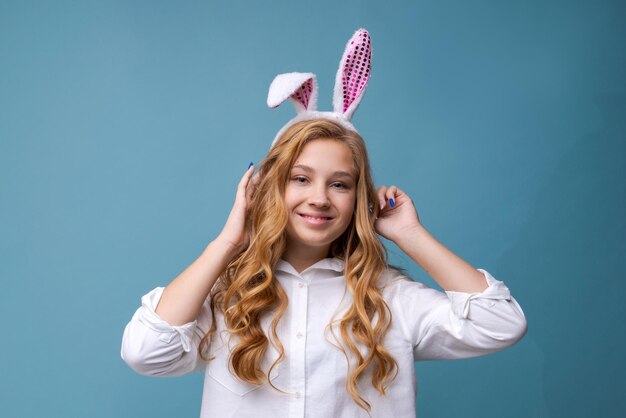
(391, 202)
(251, 164)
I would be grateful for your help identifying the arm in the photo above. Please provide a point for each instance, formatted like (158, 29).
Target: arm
(162, 337)
(450, 271)
(183, 297)
(456, 325)
(477, 314)
(152, 347)
(400, 224)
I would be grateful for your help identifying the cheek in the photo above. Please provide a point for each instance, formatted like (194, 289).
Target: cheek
(289, 198)
(348, 207)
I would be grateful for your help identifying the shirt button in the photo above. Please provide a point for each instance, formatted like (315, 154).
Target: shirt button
(492, 304)
(299, 334)
(298, 394)
(300, 284)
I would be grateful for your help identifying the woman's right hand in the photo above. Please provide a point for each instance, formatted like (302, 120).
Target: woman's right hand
(236, 233)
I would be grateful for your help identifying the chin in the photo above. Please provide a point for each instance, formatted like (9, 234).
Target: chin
(311, 239)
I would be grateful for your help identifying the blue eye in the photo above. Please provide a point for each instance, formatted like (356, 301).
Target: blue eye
(339, 185)
(299, 179)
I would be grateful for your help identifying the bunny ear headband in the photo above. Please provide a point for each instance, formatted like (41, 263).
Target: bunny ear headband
(350, 83)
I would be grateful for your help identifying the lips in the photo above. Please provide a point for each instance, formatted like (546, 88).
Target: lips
(315, 219)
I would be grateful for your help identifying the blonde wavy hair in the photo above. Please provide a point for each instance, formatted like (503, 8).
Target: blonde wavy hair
(247, 290)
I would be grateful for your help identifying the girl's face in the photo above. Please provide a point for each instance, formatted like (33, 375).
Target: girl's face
(320, 196)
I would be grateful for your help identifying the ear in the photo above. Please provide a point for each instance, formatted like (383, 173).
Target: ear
(353, 74)
(300, 88)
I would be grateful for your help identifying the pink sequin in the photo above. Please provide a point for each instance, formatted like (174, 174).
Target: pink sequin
(356, 69)
(303, 94)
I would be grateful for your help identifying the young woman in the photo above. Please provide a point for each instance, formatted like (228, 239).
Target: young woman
(293, 311)
(297, 287)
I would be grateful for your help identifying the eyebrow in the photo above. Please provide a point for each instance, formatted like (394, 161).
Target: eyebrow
(335, 174)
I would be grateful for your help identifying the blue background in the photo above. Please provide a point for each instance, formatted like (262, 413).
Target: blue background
(126, 125)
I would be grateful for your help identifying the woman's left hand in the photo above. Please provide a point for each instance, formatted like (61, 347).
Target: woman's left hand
(396, 213)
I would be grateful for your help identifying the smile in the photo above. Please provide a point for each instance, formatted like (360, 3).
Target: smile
(315, 220)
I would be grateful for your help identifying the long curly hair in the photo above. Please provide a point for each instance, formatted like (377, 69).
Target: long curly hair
(247, 290)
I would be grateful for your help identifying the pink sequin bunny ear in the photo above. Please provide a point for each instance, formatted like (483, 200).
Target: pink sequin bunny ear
(300, 88)
(350, 84)
(353, 74)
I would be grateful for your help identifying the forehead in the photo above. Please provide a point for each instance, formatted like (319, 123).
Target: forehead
(326, 155)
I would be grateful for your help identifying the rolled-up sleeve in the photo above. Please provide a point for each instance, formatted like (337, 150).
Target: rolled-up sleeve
(152, 347)
(455, 325)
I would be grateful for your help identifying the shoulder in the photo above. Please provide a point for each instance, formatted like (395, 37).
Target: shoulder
(396, 280)
(398, 287)
(412, 304)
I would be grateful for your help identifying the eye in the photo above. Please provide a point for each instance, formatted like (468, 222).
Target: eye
(339, 185)
(299, 179)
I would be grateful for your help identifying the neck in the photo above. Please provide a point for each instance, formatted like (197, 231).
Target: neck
(303, 258)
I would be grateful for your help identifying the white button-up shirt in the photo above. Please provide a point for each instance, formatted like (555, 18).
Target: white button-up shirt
(427, 324)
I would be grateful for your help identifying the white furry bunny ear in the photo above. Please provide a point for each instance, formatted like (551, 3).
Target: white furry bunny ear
(300, 88)
(353, 74)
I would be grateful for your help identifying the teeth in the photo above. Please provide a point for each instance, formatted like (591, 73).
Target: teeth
(317, 219)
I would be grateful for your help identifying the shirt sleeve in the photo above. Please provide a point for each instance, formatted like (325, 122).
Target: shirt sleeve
(455, 325)
(152, 347)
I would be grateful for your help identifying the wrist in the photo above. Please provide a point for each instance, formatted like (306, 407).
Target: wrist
(222, 249)
(409, 235)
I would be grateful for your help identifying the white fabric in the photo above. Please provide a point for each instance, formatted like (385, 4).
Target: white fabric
(310, 115)
(285, 85)
(427, 324)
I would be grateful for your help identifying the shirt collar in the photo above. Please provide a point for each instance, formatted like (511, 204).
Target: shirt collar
(332, 264)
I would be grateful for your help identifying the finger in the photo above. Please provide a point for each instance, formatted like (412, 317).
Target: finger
(251, 187)
(391, 194)
(245, 179)
(380, 194)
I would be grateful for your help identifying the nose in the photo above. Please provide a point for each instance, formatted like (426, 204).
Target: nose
(319, 197)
